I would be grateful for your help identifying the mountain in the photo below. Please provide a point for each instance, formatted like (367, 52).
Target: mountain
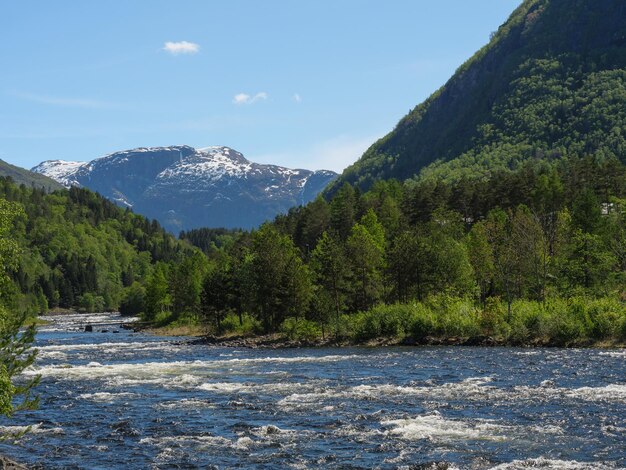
(185, 188)
(28, 178)
(551, 83)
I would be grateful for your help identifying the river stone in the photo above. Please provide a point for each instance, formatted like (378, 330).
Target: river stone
(8, 464)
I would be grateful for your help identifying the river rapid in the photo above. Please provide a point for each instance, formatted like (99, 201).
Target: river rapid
(120, 399)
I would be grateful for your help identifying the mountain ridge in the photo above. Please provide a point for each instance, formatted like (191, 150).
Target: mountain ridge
(534, 89)
(186, 188)
(28, 178)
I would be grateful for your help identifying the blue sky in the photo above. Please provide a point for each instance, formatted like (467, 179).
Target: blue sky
(302, 84)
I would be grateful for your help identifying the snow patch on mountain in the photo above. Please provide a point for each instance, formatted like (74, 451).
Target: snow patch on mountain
(209, 163)
(61, 171)
(185, 187)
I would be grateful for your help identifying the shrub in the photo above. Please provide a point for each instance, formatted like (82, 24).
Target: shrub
(389, 321)
(134, 300)
(248, 325)
(606, 316)
(455, 316)
(300, 329)
(163, 318)
(565, 321)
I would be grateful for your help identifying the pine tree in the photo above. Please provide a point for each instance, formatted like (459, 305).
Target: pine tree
(15, 345)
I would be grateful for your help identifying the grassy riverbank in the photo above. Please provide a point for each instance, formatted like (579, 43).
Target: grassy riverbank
(574, 322)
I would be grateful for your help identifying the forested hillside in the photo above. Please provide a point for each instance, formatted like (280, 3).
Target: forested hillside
(536, 255)
(550, 84)
(78, 250)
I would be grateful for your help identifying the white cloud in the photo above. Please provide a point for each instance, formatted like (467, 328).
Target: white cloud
(333, 154)
(244, 98)
(66, 101)
(297, 98)
(181, 47)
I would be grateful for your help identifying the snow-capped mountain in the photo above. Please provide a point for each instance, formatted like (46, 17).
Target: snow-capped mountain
(184, 188)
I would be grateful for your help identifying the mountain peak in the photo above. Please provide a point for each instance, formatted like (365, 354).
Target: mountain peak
(184, 187)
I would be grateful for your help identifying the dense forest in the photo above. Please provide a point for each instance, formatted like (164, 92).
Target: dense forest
(77, 250)
(538, 254)
(551, 83)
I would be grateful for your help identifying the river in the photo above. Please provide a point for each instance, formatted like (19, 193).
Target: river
(120, 399)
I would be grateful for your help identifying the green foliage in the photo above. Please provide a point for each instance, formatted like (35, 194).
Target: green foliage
(278, 280)
(244, 325)
(562, 322)
(396, 320)
(300, 329)
(157, 299)
(551, 84)
(78, 250)
(15, 345)
(134, 300)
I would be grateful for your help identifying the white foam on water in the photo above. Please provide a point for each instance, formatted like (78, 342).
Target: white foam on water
(255, 388)
(471, 388)
(611, 392)
(107, 397)
(166, 443)
(435, 427)
(185, 403)
(552, 464)
(172, 373)
(184, 440)
(138, 346)
(58, 355)
(308, 400)
(33, 429)
(243, 443)
(613, 353)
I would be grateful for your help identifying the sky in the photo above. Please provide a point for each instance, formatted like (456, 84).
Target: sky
(301, 84)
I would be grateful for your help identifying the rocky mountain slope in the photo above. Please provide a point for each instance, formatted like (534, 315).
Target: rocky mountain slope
(185, 188)
(550, 84)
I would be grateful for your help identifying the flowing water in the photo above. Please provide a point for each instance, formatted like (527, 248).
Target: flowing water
(119, 399)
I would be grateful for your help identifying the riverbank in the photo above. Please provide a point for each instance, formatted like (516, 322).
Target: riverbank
(282, 341)
(440, 320)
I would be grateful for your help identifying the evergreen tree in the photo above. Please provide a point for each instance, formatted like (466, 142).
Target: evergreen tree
(332, 276)
(15, 345)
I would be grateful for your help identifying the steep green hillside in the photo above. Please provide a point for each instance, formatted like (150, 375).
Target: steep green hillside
(550, 84)
(28, 178)
(76, 249)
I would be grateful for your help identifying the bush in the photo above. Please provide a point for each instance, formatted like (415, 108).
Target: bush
(300, 329)
(493, 318)
(388, 321)
(248, 326)
(454, 316)
(134, 300)
(163, 318)
(566, 321)
(607, 316)
(424, 323)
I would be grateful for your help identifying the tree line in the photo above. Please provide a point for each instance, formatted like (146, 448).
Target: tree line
(545, 231)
